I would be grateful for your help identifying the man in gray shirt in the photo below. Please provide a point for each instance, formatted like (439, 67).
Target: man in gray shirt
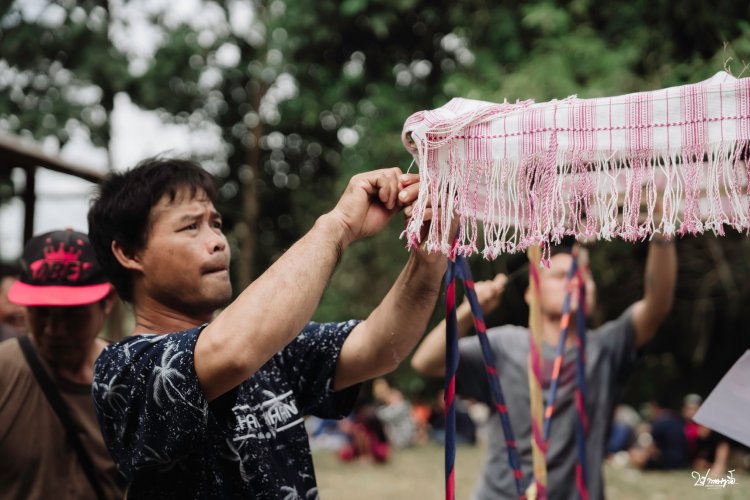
(610, 349)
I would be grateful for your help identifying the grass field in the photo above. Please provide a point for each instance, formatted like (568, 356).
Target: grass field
(417, 473)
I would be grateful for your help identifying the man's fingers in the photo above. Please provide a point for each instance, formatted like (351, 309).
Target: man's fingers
(500, 281)
(385, 193)
(405, 180)
(408, 194)
(387, 185)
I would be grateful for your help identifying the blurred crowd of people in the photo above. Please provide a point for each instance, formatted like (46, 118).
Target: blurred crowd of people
(385, 420)
(660, 438)
(656, 438)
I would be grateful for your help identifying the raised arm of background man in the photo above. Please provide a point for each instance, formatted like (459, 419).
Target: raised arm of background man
(282, 300)
(660, 277)
(429, 358)
(659, 281)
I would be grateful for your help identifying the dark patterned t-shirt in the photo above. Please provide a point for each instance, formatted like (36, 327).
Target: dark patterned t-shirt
(249, 443)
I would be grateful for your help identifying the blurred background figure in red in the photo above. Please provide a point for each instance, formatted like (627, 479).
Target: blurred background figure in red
(366, 433)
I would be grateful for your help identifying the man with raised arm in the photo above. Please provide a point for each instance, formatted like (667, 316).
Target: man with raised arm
(197, 406)
(610, 350)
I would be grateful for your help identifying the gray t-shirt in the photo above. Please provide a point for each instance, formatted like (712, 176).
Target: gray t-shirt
(610, 350)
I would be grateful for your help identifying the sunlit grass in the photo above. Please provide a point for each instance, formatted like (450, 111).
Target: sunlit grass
(417, 473)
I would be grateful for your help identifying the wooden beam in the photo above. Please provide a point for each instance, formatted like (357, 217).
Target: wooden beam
(16, 153)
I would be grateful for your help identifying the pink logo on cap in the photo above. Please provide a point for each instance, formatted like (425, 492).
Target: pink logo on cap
(59, 264)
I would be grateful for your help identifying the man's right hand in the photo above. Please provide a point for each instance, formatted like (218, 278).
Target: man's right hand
(489, 292)
(369, 202)
(429, 358)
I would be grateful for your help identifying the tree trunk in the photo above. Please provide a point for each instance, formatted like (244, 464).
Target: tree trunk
(248, 234)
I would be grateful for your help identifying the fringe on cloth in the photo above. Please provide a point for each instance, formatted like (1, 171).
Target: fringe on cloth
(672, 161)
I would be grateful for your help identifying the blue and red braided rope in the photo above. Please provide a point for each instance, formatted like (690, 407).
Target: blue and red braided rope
(459, 269)
(582, 422)
(557, 365)
(451, 366)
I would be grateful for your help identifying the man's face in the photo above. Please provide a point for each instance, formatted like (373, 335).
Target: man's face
(552, 287)
(64, 334)
(10, 314)
(186, 257)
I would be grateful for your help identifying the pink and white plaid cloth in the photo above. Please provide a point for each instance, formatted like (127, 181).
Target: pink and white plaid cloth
(672, 161)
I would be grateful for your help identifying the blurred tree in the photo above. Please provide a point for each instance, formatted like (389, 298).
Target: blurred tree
(59, 71)
(306, 94)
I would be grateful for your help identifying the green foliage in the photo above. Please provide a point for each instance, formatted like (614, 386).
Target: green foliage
(60, 71)
(357, 69)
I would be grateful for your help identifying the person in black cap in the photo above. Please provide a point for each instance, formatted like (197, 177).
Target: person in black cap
(50, 442)
(610, 350)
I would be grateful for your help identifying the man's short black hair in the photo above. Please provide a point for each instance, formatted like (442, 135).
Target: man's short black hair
(565, 246)
(121, 210)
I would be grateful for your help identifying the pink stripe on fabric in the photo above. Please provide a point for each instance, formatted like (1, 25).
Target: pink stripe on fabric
(634, 128)
(530, 141)
(694, 135)
(639, 122)
(694, 113)
(742, 96)
(582, 121)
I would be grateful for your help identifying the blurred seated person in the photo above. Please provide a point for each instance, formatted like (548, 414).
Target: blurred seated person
(663, 446)
(325, 434)
(707, 449)
(466, 429)
(421, 409)
(366, 434)
(623, 431)
(395, 412)
(12, 316)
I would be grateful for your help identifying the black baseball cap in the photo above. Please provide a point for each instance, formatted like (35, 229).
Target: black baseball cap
(59, 268)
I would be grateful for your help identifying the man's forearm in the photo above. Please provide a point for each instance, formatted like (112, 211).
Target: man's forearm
(660, 278)
(660, 275)
(270, 312)
(429, 358)
(379, 344)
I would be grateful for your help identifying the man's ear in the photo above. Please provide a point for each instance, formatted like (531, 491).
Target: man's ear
(126, 260)
(527, 295)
